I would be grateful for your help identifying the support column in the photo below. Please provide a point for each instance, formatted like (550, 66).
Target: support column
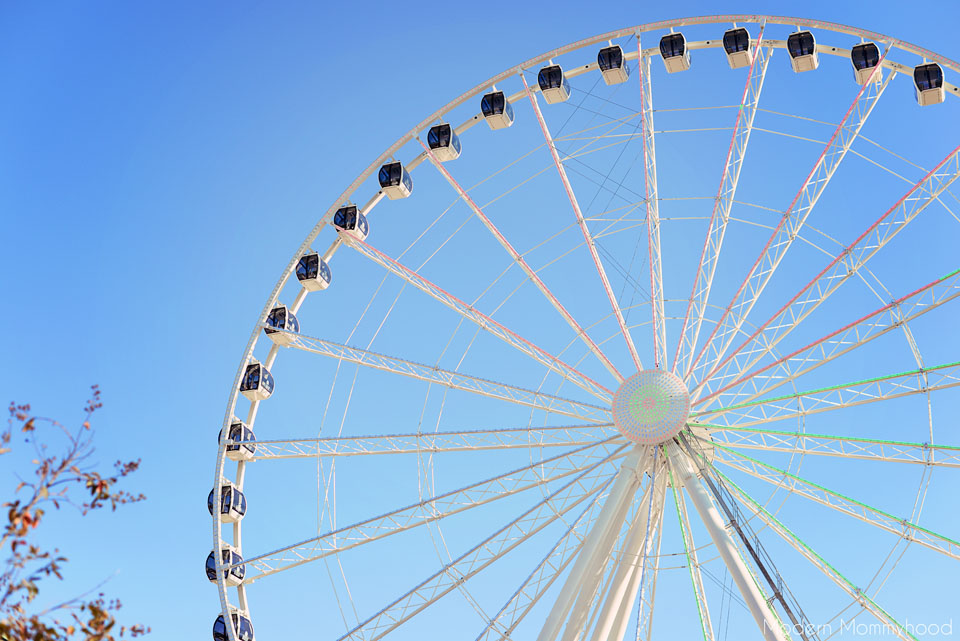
(594, 552)
(762, 613)
(625, 586)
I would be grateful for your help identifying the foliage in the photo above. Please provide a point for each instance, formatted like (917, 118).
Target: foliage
(63, 476)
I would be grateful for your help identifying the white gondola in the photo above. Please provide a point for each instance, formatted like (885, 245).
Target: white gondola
(612, 65)
(553, 84)
(673, 50)
(242, 628)
(802, 47)
(238, 432)
(257, 382)
(313, 272)
(228, 556)
(350, 221)
(736, 43)
(444, 142)
(496, 110)
(233, 504)
(865, 57)
(281, 318)
(395, 181)
(928, 81)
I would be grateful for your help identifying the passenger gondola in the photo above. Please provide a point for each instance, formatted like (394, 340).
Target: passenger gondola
(242, 628)
(228, 556)
(865, 58)
(281, 318)
(553, 84)
(313, 272)
(257, 382)
(802, 47)
(928, 81)
(736, 43)
(350, 221)
(496, 110)
(237, 433)
(612, 65)
(395, 181)
(444, 142)
(233, 504)
(673, 50)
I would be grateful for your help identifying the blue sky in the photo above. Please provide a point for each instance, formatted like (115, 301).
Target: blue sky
(161, 163)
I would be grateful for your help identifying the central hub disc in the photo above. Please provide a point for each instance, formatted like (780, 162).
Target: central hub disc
(651, 407)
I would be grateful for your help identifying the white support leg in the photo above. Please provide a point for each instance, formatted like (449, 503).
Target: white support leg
(594, 552)
(762, 613)
(588, 587)
(626, 581)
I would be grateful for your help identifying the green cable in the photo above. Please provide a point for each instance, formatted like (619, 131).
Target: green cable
(760, 509)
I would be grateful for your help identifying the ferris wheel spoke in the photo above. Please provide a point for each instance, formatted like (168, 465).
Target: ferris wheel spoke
(839, 503)
(537, 474)
(858, 595)
(726, 194)
(481, 320)
(946, 456)
(789, 227)
(847, 263)
(591, 245)
(454, 380)
(653, 208)
(485, 553)
(837, 343)
(519, 260)
(569, 436)
(566, 549)
(918, 381)
(693, 564)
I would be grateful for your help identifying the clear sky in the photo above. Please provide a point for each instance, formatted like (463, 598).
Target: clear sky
(159, 165)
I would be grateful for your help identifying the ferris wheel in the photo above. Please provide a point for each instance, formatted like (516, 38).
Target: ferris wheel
(598, 377)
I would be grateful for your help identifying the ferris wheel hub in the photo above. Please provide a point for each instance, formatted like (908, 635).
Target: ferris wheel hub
(651, 407)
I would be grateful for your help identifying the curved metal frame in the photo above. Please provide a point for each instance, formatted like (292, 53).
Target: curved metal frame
(658, 316)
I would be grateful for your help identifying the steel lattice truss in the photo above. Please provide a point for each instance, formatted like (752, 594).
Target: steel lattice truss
(788, 368)
(836, 501)
(558, 558)
(519, 260)
(570, 437)
(786, 232)
(455, 380)
(581, 221)
(709, 257)
(484, 322)
(589, 490)
(444, 505)
(838, 446)
(652, 201)
(919, 381)
(840, 269)
(545, 512)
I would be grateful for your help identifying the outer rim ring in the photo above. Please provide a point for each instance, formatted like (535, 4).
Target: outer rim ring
(423, 125)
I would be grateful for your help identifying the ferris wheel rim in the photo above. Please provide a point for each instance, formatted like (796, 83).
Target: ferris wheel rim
(412, 134)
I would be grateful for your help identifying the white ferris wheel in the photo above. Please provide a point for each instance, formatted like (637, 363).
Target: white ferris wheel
(602, 377)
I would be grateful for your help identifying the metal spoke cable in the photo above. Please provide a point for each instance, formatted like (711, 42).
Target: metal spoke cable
(843, 504)
(819, 562)
(834, 397)
(482, 555)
